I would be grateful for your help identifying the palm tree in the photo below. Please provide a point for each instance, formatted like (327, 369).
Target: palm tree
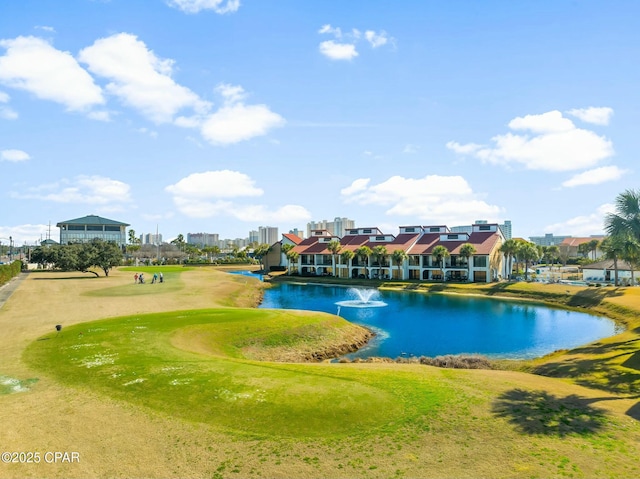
(399, 256)
(379, 253)
(292, 256)
(364, 252)
(509, 249)
(259, 253)
(613, 248)
(334, 246)
(631, 254)
(346, 257)
(626, 219)
(179, 242)
(467, 250)
(594, 244)
(527, 252)
(285, 248)
(440, 253)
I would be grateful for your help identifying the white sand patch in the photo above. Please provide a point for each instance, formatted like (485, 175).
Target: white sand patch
(99, 360)
(140, 327)
(135, 381)
(96, 330)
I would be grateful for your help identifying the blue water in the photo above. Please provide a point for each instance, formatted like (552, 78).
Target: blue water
(416, 324)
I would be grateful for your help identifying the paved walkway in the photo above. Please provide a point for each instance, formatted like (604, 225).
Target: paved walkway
(7, 289)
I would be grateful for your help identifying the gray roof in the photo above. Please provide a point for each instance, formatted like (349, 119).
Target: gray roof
(91, 220)
(608, 264)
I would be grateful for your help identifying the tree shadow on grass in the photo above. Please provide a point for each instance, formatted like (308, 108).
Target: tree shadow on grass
(538, 412)
(599, 373)
(593, 297)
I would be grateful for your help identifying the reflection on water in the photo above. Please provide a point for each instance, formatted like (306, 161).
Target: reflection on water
(434, 324)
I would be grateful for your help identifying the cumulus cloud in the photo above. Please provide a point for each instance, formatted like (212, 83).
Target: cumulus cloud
(595, 176)
(376, 39)
(595, 115)
(434, 198)
(231, 124)
(195, 6)
(338, 51)
(33, 65)
(14, 155)
(6, 112)
(93, 190)
(205, 195)
(585, 225)
(215, 184)
(139, 78)
(549, 142)
(345, 47)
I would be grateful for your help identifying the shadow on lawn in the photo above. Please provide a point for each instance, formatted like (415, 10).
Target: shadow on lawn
(538, 412)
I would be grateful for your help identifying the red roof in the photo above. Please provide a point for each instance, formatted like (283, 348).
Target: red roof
(295, 239)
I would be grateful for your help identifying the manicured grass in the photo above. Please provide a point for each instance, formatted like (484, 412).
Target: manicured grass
(133, 358)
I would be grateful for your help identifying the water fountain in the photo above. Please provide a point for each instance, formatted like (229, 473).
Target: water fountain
(363, 299)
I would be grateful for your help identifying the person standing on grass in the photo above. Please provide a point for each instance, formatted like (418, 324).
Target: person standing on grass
(161, 277)
(135, 278)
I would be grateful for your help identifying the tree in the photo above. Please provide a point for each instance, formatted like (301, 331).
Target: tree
(104, 254)
(553, 253)
(613, 248)
(346, 257)
(334, 246)
(626, 219)
(292, 256)
(179, 242)
(440, 253)
(527, 252)
(379, 253)
(631, 254)
(259, 253)
(594, 244)
(399, 256)
(364, 252)
(286, 248)
(467, 250)
(509, 249)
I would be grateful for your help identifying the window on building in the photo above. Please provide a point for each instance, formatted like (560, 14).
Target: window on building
(434, 230)
(480, 261)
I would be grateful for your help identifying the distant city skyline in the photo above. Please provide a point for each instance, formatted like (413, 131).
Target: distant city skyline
(387, 113)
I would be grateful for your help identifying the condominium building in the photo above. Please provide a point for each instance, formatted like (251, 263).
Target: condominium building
(203, 239)
(337, 227)
(268, 235)
(151, 238)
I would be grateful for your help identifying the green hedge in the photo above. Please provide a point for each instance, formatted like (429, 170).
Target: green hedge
(8, 271)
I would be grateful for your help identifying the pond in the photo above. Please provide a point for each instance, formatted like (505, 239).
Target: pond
(417, 324)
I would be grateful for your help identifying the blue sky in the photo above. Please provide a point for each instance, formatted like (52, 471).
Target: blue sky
(220, 116)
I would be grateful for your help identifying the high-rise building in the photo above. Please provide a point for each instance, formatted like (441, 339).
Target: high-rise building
(268, 235)
(203, 239)
(151, 238)
(337, 227)
(299, 233)
(254, 237)
(506, 229)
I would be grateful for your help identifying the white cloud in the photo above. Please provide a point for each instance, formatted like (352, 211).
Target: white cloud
(215, 184)
(195, 6)
(203, 195)
(46, 28)
(376, 39)
(463, 149)
(33, 65)
(435, 199)
(555, 145)
(238, 122)
(14, 155)
(549, 122)
(585, 225)
(338, 51)
(27, 233)
(595, 115)
(231, 93)
(8, 114)
(4, 97)
(93, 190)
(336, 32)
(139, 78)
(595, 176)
